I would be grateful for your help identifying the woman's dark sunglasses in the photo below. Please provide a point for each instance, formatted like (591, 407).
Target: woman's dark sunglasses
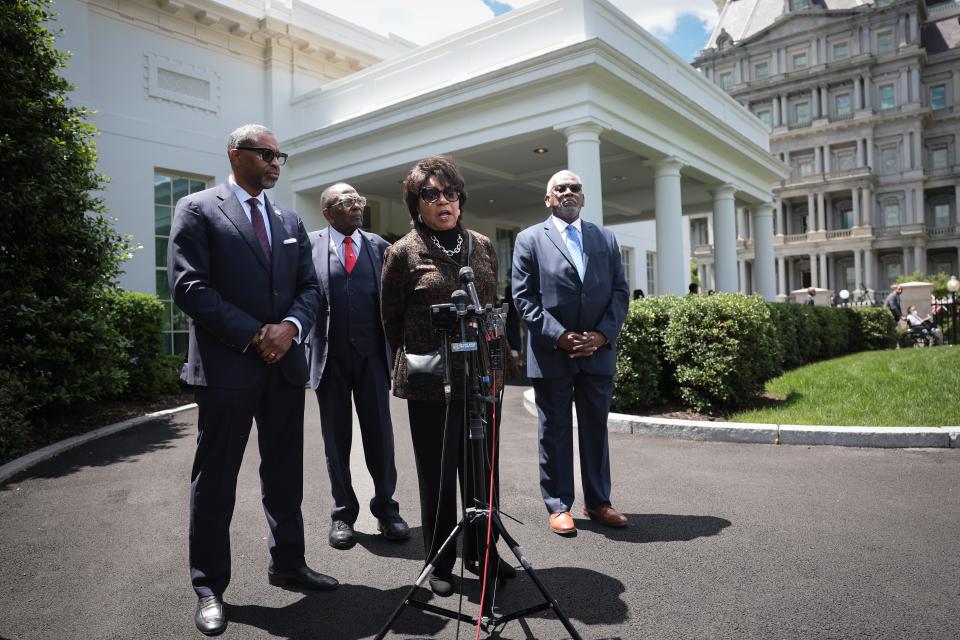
(432, 194)
(267, 155)
(574, 188)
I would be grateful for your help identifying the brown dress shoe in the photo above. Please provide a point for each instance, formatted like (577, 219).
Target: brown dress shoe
(561, 523)
(607, 515)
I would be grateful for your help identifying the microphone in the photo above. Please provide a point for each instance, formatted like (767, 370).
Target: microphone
(466, 279)
(459, 299)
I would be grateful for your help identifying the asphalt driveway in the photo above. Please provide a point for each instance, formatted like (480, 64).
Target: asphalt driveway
(725, 541)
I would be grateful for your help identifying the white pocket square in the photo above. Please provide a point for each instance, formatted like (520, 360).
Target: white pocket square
(289, 241)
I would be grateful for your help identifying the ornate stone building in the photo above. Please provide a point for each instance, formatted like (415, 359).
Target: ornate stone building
(862, 100)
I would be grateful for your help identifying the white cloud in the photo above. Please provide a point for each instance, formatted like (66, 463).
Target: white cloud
(428, 22)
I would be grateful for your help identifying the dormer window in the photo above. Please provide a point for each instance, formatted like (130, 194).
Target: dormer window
(800, 5)
(724, 41)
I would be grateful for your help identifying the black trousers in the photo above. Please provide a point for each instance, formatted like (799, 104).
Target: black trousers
(225, 418)
(440, 462)
(367, 381)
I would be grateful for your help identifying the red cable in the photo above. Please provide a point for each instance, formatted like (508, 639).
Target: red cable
(493, 465)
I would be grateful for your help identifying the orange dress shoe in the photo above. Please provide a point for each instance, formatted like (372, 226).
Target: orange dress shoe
(607, 515)
(561, 523)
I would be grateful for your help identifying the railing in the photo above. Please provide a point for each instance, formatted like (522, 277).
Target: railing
(839, 233)
(887, 231)
(842, 116)
(799, 125)
(948, 230)
(795, 237)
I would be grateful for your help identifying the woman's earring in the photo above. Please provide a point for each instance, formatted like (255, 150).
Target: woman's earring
(420, 218)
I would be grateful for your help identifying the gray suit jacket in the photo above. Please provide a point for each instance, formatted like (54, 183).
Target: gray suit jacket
(219, 276)
(552, 300)
(373, 247)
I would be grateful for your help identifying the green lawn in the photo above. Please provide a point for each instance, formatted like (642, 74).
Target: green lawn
(906, 387)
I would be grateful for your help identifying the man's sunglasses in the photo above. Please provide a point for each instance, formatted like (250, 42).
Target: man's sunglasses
(267, 155)
(574, 188)
(432, 194)
(348, 202)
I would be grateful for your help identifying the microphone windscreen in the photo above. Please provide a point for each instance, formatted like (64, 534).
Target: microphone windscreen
(466, 274)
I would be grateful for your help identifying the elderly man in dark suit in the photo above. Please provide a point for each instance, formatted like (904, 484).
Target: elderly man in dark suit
(240, 268)
(348, 355)
(569, 287)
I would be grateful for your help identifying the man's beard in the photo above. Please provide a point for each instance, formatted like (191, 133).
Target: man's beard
(568, 212)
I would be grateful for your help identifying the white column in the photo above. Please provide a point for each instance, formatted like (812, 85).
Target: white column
(775, 109)
(860, 154)
(866, 210)
(672, 262)
(818, 159)
(781, 278)
(905, 261)
(708, 273)
(702, 274)
(762, 224)
(867, 92)
(920, 211)
(870, 152)
(917, 150)
(724, 238)
(855, 198)
(920, 258)
(824, 272)
(783, 111)
(826, 158)
(814, 280)
(869, 269)
(811, 212)
(916, 85)
(781, 219)
(857, 266)
(815, 103)
(908, 201)
(824, 111)
(821, 212)
(583, 158)
(741, 225)
(857, 97)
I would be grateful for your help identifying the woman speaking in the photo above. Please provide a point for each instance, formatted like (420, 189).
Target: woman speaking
(420, 270)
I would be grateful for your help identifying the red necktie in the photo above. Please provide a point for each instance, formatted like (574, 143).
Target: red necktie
(349, 257)
(259, 228)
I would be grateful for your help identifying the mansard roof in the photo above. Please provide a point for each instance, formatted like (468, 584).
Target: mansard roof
(741, 19)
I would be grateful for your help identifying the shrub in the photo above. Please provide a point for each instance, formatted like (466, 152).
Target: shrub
(834, 332)
(875, 328)
(14, 428)
(138, 318)
(786, 321)
(723, 348)
(639, 367)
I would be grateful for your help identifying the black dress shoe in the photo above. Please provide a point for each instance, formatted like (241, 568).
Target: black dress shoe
(341, 535)
(211, 618)
(304, 578)
(505, 572)
(393, 528)
(443, 586)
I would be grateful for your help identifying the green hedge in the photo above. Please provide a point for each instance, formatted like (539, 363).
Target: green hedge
(715, 353)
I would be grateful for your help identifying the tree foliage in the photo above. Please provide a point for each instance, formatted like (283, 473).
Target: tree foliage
(58, 251)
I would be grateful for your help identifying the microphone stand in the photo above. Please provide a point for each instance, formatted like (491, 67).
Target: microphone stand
(477, 404)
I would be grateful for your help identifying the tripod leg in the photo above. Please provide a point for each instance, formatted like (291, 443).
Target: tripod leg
(518, 552)
(427, 570)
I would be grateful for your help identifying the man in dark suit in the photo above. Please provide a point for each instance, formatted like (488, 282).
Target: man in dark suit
(569, 287)
(348, 354)
(240, 268)
(893, 303)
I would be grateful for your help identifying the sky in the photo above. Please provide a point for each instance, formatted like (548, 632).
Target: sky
(683, 25)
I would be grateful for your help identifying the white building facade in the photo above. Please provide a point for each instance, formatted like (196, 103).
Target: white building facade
(561, 83)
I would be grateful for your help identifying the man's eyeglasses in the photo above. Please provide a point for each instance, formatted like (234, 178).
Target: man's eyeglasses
(432, 194)
(348, 202)
(573, 187)
(267, 155)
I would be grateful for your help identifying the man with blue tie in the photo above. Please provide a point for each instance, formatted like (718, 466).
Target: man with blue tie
(349, 356)
(569, 288)
(240, 268)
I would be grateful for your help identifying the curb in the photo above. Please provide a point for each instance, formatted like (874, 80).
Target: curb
(903, 437)
(22, 463)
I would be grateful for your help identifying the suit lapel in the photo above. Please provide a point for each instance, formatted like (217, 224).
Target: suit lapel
(233, 210)
(551, 231)
(590, 239)
(322, 251)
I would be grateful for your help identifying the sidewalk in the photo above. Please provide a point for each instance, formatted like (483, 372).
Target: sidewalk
(726, 541)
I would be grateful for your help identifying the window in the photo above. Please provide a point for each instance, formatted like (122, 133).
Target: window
(651, 273)
(893, 270)
(889, 163)
(938, 157)
(504, 249)
(844, 104)
(885, 42)
(726, 80)
(941, 215)
(846, 218)
(167, 190)
(626, 259)
(805, 166)
(761, 71)
(891, 215)
(765, 117)
(800, 60)
(803, 112)
(887, 97)
(800, 5)
(938, 96)
(846, 160)
(840, 51)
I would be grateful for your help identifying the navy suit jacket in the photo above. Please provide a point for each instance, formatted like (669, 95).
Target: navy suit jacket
(552, 300)
(219, 276)
(373, 248)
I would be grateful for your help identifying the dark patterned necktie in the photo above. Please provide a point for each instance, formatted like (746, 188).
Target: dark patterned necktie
(258, 227)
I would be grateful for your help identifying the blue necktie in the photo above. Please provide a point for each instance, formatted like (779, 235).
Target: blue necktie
(576, 249)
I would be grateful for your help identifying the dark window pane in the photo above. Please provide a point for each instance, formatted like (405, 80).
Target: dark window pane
(179, 319)
(161, 220)
(166, 315)
(163, 289)
(168, 342)
(161, 190)
(181, 342)
(197, 185)
(181, 187)
(161, 259)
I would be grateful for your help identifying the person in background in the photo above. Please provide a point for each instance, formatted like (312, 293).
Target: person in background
(811, 298)
(638, 294)
(914, 321)
(892, 303)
